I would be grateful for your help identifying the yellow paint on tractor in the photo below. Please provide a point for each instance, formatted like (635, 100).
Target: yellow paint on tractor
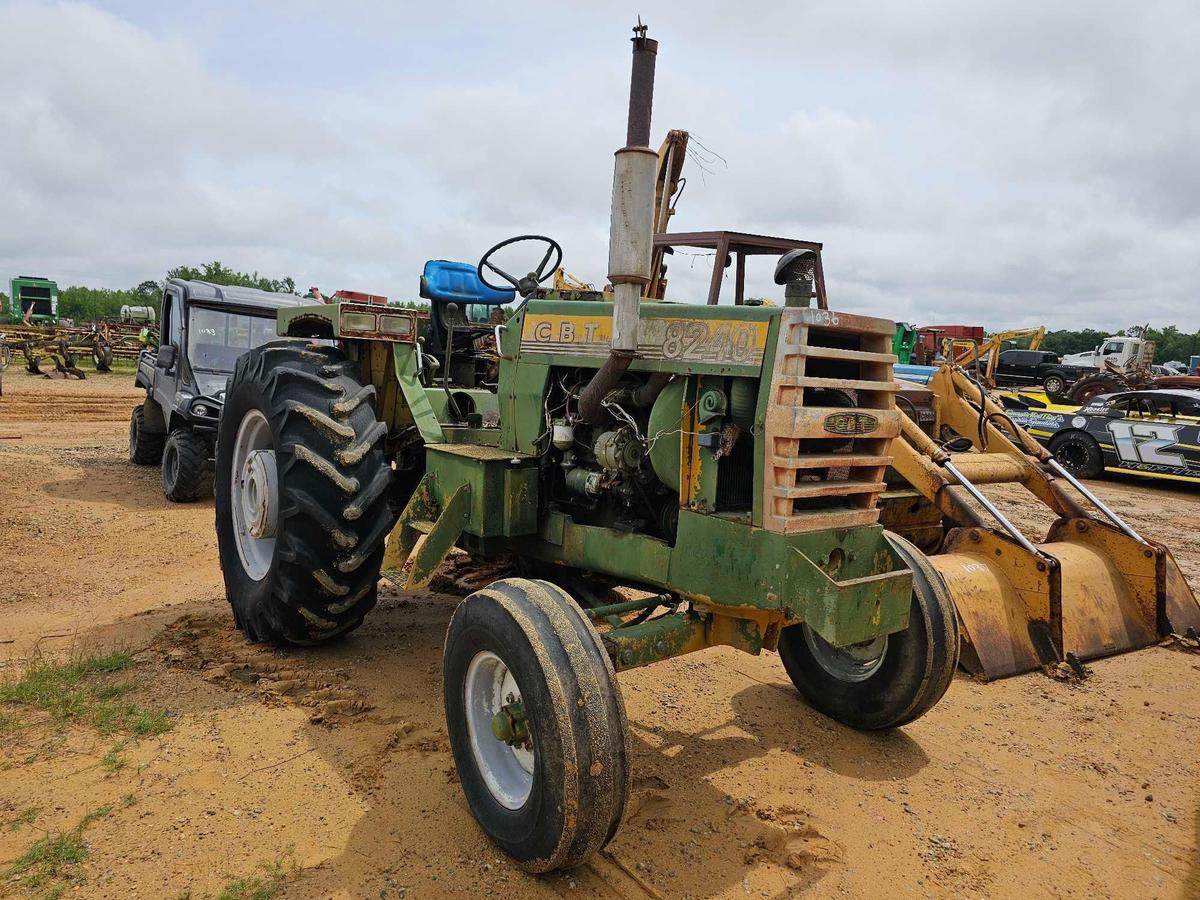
(692, 338)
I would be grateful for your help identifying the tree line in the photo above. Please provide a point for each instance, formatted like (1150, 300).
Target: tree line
(1169, 342)
(86, 304)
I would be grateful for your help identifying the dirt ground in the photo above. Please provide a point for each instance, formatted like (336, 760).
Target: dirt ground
(334, 762)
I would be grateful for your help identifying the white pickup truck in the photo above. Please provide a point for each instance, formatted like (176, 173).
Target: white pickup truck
(1120, 351)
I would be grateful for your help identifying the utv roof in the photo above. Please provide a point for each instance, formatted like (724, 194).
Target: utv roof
(237, 296)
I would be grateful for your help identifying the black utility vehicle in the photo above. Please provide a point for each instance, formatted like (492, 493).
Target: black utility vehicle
(205, 328)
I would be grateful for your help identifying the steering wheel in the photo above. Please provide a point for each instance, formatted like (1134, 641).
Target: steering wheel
(526, 285)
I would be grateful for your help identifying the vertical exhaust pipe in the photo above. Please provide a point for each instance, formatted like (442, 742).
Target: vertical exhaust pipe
(631, 229)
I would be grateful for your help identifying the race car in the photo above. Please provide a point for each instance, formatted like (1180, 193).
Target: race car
(1153, 432)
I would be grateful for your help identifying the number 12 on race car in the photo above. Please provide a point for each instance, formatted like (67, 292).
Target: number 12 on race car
(1144, 442)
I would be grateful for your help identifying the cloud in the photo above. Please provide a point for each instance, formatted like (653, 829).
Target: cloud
(1004, 163)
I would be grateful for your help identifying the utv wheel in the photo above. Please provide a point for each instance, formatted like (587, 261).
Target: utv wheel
(536, 722)
(1055, 387)
(185, 470)
(1079, 454)
(301, 494)
(892, 680)
(145, 449)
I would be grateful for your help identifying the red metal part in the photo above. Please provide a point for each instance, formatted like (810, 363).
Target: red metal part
(360, 297)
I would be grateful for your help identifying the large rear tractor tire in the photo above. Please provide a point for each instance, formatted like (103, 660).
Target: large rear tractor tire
(302, 489)
(892, 680)
(185, 469)
(145, 449)
(1085, 389)
(536, 723)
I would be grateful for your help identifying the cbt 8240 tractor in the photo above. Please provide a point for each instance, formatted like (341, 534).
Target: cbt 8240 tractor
(703, 455)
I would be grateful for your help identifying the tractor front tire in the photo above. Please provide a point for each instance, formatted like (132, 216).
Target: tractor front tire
(145, 449)
(302, 494)
(888, 682)
(185, 469)
(536, 723)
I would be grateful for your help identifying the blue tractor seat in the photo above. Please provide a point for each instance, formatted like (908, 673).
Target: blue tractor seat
(444, 281)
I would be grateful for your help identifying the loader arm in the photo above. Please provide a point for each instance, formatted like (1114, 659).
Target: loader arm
(966, 352)
(1093, 587)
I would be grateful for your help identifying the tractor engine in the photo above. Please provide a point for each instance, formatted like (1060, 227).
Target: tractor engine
(606, 474)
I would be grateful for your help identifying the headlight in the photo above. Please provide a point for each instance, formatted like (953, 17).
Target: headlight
(200, 409)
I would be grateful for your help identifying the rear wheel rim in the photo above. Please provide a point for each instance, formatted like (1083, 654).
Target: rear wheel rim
(507, 770)
(855, 663)
(254, 494)
(1073, 456)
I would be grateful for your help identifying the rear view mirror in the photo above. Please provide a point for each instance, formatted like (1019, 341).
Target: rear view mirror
(166, 357)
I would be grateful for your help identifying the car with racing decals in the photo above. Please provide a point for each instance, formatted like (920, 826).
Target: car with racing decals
(1151, 432)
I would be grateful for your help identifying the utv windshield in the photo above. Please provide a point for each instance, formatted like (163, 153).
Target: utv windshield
(216, 338)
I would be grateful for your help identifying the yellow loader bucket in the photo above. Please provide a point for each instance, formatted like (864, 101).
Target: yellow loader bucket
(1089, 590)
(1094, 587)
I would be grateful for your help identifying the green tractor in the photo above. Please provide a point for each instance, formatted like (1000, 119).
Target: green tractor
(719, 464)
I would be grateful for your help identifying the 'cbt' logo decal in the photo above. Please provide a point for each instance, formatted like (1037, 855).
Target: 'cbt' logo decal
(850, 423)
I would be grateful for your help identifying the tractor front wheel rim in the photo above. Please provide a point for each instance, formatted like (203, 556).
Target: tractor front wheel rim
(255, 494)
(489, 690)
(855, 663)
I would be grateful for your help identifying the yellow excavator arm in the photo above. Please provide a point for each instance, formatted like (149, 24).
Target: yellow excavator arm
(966, 352)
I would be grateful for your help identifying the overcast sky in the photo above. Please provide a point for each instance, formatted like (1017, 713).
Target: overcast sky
(1003, 163)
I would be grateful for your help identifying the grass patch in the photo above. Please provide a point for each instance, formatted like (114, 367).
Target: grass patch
(262, 886)
(101, 813)
(51, 860)
(27, 816)
(86, 691)
(113, 762)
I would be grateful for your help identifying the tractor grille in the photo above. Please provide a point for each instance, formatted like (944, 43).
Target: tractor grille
(830, 422)
(735, 477)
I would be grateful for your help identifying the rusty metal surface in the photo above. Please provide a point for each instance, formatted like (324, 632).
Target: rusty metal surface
(395, 314)
(820, 353)
(1102, 609)
(743, 244)
(1180, 607)
(1004, 603)
(910, 515)
(1091, 591)
(676, 634)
